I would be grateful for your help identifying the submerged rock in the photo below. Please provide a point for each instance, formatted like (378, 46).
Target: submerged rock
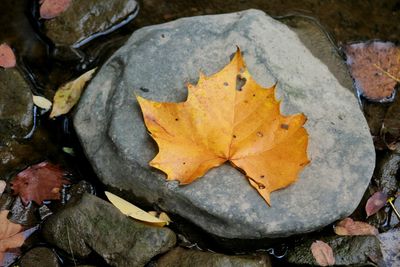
(92, 224)
(390, 247)
(157, 62)
(348, 251)
(15, 104)
(85, 20)
(39, 256)
(180, 257)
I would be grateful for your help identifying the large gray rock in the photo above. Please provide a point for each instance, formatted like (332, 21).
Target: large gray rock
(92, 224)
(156, 63)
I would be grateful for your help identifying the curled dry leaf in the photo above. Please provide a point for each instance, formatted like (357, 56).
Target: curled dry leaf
(42, 102)
(39, 182)
(7, 56)
(68, 95)
(132, 211)
(375, 203)
(323, 253)
(231, 118)
(375, 67)
(349, 227)
(52, 8)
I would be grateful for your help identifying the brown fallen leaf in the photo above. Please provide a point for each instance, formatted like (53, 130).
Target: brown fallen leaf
(323, 253)
(11, 235)
(68, 95)
(375, 67)
(52, 8)
(349, 227)
(39, 182)
(375, 203)
(228, 117)
(7, 56)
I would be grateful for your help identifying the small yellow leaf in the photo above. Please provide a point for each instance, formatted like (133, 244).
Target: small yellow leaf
(132, 211)
(68, 95)
(42, 102)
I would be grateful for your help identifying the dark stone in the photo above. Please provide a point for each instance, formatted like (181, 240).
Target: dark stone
(92, 224)
(39, 256)
(87, 19)
(348, 251)
(180, 257)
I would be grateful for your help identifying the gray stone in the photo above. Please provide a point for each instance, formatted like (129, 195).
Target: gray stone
(157, 61)
(39, 256)
(390, 247)
(87, 19)
(15, 103)
(348, 251)
(180, 257)
(92, 224)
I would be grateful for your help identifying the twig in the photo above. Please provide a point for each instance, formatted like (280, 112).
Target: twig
(387, 73)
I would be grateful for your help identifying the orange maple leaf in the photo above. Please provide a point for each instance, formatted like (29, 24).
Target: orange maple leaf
(228, 117)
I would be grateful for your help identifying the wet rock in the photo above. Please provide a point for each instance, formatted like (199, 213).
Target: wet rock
(15, 104)
(385, 173)
(39, 256)
(348, 251)
(92, 224)
(85, 20)
(180, 257)
(158, 61)
(390, 247)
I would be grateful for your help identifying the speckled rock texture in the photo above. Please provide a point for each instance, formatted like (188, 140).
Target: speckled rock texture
(157, 61)
(180, 257)
(92, 224)
(86, 19)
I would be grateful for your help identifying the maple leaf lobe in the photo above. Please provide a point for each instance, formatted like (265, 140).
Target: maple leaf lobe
(228, 117)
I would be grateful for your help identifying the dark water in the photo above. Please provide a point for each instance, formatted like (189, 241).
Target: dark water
(46, 67)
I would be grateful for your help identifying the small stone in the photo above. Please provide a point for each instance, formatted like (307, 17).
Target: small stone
(347, 250)
(87, 19)
(39, 256)
(93, 224)
(180, 257)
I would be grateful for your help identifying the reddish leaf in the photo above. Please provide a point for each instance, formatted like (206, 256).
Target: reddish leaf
(7, 56)
(349, 227)
(375, 203)
(375, 68)
(39, 182)
(52, 8)
(322, 253)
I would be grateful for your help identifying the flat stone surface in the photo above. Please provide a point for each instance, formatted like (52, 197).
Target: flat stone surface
(180, 257)
(157, 61)
(92, 224)
(86, 19)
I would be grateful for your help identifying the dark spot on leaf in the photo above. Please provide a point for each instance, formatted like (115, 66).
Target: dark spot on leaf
(184, 163)
(254, 94)
(176, 119)
(262, 176)
(226, 84)
(234, 136)
(240, 82)
(144, 89)
(284, 126)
